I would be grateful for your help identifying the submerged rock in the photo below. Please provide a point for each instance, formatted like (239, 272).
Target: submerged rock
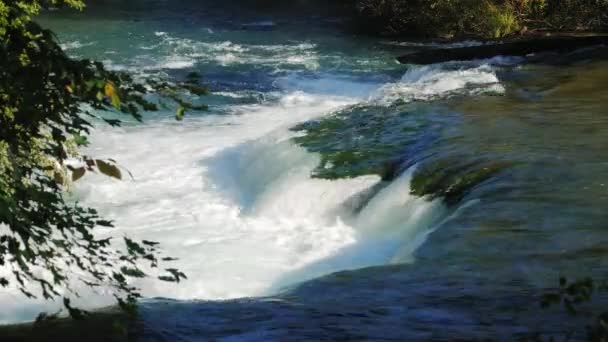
(362, 140)
(451, 180)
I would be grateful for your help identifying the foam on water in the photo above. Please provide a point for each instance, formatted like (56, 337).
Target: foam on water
(232, 197)
(75, 44)
(169, 52)
(387, 229)
(463, 44)
(327, 84)
(433, 81)
(175, 198)
(227, 53)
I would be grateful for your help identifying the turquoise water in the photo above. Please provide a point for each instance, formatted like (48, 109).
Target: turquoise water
(330, 193)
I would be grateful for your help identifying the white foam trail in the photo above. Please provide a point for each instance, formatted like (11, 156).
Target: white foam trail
(433, 81)
(270, 177)
(462, 44)
(327, 84)
(388, 229)
(227, 247)
(226, 252)
(75, 44)
(224, 53)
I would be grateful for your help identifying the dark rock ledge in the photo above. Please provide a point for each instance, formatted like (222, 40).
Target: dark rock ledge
(521, 47)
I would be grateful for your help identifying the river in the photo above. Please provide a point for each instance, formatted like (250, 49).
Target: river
(293, 204)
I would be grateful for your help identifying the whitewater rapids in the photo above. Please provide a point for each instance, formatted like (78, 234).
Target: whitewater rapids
(231, 196)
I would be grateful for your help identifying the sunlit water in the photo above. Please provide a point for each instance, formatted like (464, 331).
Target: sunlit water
(252, 213)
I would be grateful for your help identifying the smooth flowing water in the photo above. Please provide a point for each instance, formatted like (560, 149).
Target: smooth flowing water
(343, 195)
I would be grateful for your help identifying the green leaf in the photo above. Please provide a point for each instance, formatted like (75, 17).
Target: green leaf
(113, 122)
(104, 223)
(115, 101)
(167, 279)
(179, 114)
(150, 243)
(132, 272)
(75, 313)
(174, 276)
(133, 247)
(80, 140)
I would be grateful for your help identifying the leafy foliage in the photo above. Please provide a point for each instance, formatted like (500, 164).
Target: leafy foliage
(497, 20)
(47, 102)
(407, 17)
(487, 18)
(575, 14)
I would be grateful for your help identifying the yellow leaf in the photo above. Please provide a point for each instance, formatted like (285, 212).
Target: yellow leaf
(109, 89)
(59, 178)
(108, 169)
(69, 89)
(115, 101)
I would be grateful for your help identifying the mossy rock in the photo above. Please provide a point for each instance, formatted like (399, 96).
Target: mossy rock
(452, 179)
(361, 140)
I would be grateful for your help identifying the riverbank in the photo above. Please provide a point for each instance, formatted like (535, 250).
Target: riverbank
(109, 325)
(466, 19)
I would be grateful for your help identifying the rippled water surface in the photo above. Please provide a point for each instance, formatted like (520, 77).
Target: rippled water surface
(330, 193)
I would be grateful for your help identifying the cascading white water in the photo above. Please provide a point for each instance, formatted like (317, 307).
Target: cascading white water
(430, 82)
(232, 197)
